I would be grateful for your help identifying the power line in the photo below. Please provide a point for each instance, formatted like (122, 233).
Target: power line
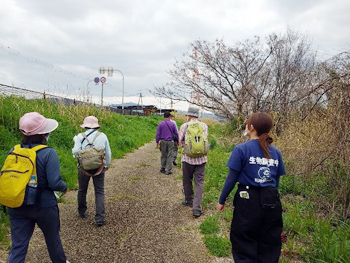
(42, 63)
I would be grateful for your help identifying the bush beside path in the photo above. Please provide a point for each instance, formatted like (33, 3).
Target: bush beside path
(145, 221)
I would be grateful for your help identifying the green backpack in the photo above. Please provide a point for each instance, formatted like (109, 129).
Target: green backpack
(196, 141)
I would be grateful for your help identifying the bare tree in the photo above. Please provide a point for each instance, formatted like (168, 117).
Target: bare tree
(280, 75)
(217, 77)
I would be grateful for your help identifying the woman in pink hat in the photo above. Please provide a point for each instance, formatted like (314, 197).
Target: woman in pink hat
(92, 138)
(36, 130)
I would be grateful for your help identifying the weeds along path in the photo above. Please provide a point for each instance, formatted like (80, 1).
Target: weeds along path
(145, 221)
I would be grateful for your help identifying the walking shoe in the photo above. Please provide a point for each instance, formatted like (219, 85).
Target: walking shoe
(99, 224)
(162, 171)
(197, 213)
(168, 173)
(186, 203)
(82, 215)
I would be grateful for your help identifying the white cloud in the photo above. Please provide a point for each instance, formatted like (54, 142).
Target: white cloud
(142, 38)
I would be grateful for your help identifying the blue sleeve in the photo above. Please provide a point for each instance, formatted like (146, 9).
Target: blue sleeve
(230, 183)
(280, 170)
(54, 179)
(236, 160)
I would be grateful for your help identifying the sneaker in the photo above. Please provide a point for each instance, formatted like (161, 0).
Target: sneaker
(197, 213)
(168, 173)
(162, 171)
(186, 203)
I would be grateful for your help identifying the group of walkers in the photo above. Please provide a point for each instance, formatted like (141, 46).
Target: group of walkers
(256, 165)
(193, 166)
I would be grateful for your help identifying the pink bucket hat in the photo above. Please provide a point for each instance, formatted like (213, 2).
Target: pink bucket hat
(90, 122)
(33, 123)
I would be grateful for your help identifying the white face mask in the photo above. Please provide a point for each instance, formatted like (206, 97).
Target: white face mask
(246, 131)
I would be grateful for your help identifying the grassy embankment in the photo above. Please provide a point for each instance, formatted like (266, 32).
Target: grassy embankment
(313, 235)
(125, 133)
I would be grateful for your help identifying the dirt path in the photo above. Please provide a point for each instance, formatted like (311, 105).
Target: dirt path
(145, 221)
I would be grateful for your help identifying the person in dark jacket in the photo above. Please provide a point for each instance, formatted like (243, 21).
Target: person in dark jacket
(36, 130)
(257, 218)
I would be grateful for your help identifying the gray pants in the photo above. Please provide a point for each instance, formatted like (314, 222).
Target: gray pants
(175, 150)
(193, 173)
(166, 159)
(98, 181)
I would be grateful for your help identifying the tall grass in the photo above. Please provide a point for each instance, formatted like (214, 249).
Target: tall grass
(125, 133)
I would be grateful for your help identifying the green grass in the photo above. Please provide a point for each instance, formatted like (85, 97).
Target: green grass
(209, 225)
(218, 246)
(125, 133)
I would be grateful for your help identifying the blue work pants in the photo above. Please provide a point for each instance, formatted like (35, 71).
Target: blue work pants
(23, 220)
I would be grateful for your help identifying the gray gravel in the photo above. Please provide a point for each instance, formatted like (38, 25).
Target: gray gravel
(145, 221)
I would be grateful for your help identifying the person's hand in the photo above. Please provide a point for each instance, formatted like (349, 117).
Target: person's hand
(106, 168)
(220, 207)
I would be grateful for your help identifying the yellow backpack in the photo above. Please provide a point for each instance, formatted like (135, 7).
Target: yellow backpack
(18, 168)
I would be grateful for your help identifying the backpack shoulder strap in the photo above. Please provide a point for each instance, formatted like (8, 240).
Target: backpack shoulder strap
(96, 135)
(85, 138)
(39, 147)
(17, 146)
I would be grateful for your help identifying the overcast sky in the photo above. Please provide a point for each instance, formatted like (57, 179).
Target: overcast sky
(143, 38)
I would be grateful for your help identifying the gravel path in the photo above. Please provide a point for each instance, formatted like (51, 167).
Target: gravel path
(145, 221)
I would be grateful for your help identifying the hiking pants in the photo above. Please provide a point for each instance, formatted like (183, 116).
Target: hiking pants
(255, 229)
(193, 173)
(98, 181)
(175, 150)
(166, 159)
(23, 220)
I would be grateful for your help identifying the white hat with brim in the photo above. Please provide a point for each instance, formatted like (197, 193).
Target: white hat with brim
(51, 126)
(90, 122)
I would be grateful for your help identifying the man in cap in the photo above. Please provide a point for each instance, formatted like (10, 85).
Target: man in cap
(81, 142)
(166, 133)
(193, 168)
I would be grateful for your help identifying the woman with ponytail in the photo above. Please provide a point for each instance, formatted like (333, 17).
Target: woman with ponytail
(257, 218)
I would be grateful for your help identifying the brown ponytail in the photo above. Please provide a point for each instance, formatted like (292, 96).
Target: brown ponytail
(264, 141)
(262, 123)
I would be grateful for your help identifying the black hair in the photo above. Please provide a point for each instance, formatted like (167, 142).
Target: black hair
(34, 139)
(167, 114)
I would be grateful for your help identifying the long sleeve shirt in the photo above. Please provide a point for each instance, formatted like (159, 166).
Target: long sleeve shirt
(182, 134)
(100, 142)
(230, 183)
(165, 131)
